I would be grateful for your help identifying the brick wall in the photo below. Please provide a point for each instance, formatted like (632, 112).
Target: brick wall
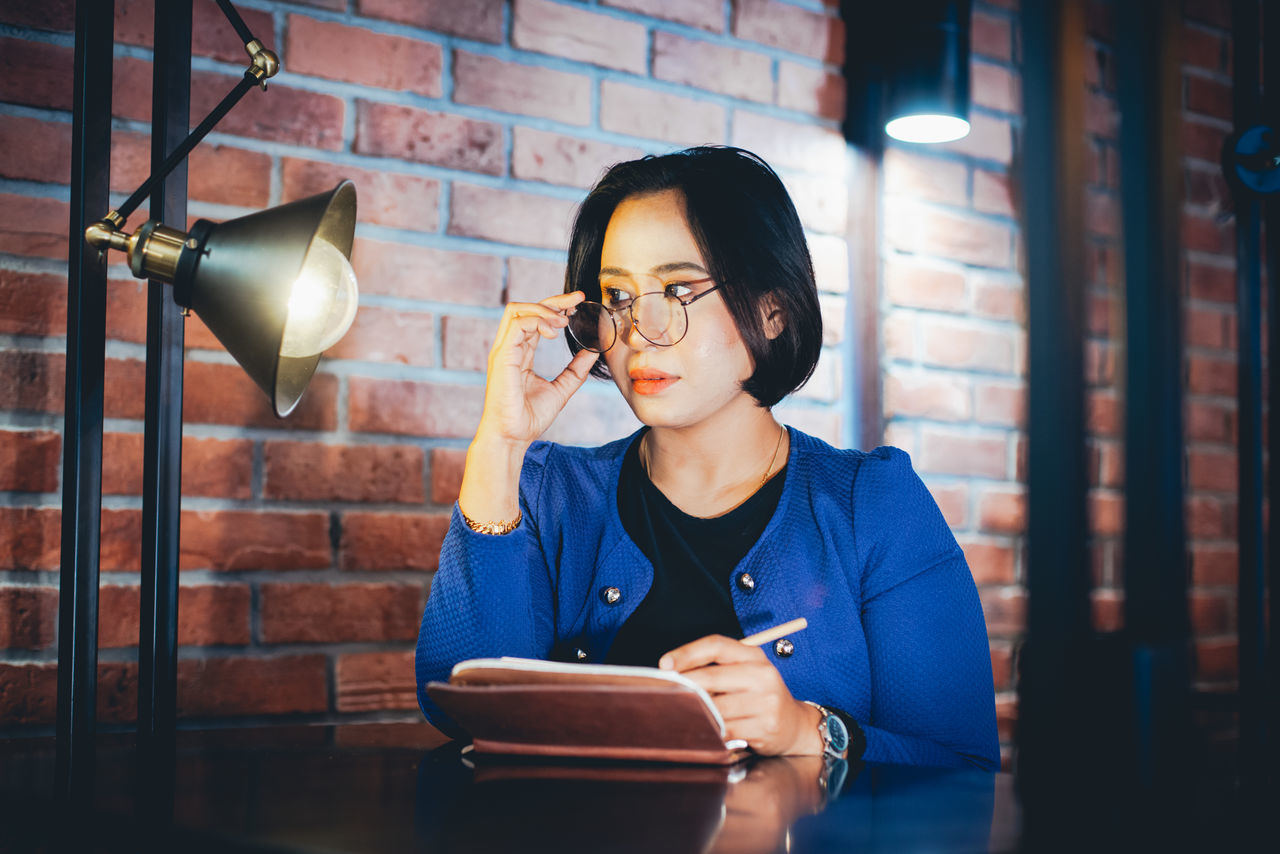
(471, 131)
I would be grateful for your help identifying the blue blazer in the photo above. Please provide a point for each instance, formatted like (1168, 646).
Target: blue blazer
(857, 546)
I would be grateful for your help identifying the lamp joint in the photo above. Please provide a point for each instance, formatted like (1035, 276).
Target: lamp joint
(263, 62)
(106, 234)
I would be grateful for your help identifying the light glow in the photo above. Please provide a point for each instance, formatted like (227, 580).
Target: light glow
(322, 303)
(927, 128)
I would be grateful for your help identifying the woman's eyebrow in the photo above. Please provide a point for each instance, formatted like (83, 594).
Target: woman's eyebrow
(661, 269)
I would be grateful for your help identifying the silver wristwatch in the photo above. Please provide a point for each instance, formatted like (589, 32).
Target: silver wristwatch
(835, 735)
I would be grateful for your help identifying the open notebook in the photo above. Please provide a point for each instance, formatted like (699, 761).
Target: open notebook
(521, 706)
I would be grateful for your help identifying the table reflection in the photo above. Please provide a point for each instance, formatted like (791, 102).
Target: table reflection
(373, 788)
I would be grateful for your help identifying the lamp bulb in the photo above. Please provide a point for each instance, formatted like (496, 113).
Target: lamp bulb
(928, 128)
(322, 303)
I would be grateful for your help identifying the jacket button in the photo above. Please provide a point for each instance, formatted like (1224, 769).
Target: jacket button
(746, 583)
(783, 648)
(580, 654)
(611, 595)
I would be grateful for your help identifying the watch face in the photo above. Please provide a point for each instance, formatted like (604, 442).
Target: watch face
(838, 734)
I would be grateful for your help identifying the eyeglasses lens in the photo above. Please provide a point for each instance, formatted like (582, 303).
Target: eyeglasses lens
(660, 318)
(592, 326)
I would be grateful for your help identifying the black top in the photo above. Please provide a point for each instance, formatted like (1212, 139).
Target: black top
(692, 558)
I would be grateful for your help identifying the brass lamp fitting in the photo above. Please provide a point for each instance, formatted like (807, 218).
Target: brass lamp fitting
(153, 249)
(265, 62)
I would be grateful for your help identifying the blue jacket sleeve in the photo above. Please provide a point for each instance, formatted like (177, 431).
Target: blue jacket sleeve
(933, 702)
(491, 595)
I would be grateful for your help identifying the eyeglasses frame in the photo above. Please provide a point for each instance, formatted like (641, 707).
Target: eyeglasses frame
(630, 309)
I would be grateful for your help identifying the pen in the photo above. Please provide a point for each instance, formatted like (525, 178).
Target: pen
(762, 638)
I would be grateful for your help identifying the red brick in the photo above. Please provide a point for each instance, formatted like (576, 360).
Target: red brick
(923, 395)
(953, 501)
(369, 681)
(790, 28)
(919, 286)
(1000, 404)
(1099, 363)
(333, 613)
(1208, 97)
(1002, 511)
(233, 540)
(368, 58)
(704, 14)
(476, 19)
(1211, 376)
(529, 90)
(29, 460)
(1005, 611)
(991, 36)
(823, 204)
(467, 341)
(899, 334)
(1216, 660)
(1210, 422)
(131, 89)
(1006, 725)
(560, 30)
(36, 73)
(385, 198)
(914, 228)
(716, 68)
(830, 263)
(506, 216)
(410, 408)
(208, 615)
(1106, 512)
(224, 394)
(990, 561)
(281, 114)
(211, 32)
(35, 150)
(391, 541)
(648, 113)
(926, 178)
(948, 452)
(538, 155)
(1202, 140)
(1099, 21)
(1107, 607)
(1206, 234)
(994, 87)
(28, 693)
(389, 335)
(811, 90)
(124, 388)
(33, 226)
(1206, 328)
(53, 15)
(418, 272)
(424, 136)
(834, 311)
(217, 687)
(1215, 565)
(533, 279)
(309, 471)
(991, 193)
(1214, 471)
(1101, 116)
(220, 468)
(27, 617)
(1002, 666)
(788, 144)
(1211, 614)
(1207, 188)
(31, 381)
(1104, 413)
(1110, 465)
(989, 138)
(30, 538)
(959, 344)
(447, 466)
(1212, 12)
(32, 303)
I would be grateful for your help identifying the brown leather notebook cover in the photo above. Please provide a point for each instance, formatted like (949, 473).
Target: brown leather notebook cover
(539, 708)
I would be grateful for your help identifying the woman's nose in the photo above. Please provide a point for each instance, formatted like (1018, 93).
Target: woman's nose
(630, 334)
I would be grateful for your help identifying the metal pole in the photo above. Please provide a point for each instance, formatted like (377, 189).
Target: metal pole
(1155, 560)
(162, 442)
(1271, 89)
(82, 417)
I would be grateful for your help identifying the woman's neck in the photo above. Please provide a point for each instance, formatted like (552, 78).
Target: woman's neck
(709, 468)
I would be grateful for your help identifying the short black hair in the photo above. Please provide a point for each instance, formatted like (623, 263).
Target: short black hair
(751, 239)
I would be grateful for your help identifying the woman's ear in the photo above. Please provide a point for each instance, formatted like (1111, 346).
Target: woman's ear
(772, 317)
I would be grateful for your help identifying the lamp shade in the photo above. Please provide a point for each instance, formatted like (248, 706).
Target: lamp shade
(927, 77)
(275, 287)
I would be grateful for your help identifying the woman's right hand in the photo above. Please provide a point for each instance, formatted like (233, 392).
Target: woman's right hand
(519, 405)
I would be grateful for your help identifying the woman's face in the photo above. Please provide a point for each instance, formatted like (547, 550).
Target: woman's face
(648, 247)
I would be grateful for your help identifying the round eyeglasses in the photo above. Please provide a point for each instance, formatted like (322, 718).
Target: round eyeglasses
(660, 317)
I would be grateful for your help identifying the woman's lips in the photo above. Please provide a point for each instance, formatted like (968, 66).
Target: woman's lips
(649, 381)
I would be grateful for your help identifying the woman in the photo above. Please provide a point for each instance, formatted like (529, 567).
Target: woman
(690, 285)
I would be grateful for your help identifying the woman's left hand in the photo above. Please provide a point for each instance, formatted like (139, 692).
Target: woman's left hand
(750, 694)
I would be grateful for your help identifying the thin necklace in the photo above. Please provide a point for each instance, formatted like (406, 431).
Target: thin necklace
(644, 457)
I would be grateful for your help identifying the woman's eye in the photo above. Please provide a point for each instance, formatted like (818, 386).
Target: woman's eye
(615, 297)
(677, 289)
